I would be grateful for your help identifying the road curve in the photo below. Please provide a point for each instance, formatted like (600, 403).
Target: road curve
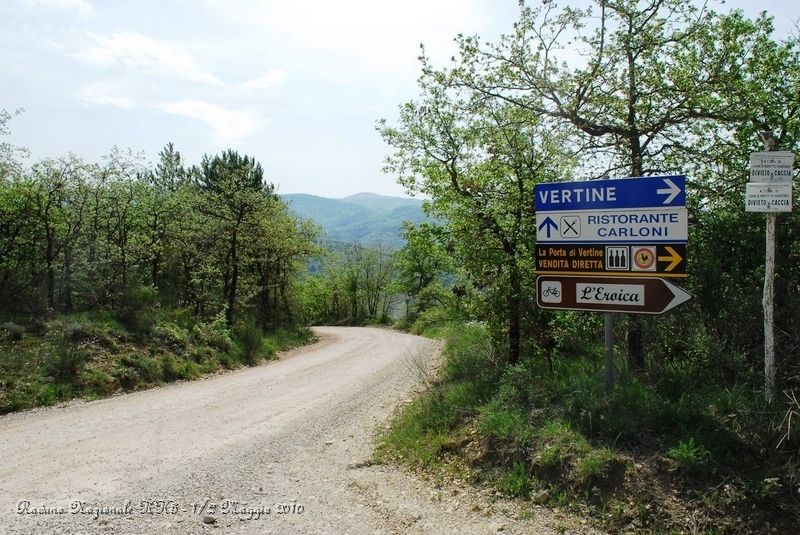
(278, 448)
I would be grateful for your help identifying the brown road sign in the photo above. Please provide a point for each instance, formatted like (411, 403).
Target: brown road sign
(612, 260)
(645, 295)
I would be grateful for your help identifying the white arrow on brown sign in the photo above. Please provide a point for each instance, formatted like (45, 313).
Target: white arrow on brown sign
(609, 294)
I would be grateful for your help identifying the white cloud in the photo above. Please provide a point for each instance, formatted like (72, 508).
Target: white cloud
(104, 93)
(83, 7)
(227, 126)
(137, 51)
(361, 33)
(272, 78)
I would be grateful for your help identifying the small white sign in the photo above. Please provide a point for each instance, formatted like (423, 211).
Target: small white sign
(617, 258)
(768, 198)
(551, 292)
(644, 258)
(646, 225)
(774, 166)
(610, 294)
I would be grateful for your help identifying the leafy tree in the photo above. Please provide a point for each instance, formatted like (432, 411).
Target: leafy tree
(422, 260)
(60, 198)
(9, 154)
(16, 207)
(278, 248)
(478, 159)
(234, 193)
(164, 206)
(645, 78)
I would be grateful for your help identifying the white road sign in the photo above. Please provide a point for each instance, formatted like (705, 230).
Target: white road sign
(606, 226)
(776, 197)
(773, 166)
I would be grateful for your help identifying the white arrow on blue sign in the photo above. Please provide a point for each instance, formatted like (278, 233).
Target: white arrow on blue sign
(649, 192)
(629, 210)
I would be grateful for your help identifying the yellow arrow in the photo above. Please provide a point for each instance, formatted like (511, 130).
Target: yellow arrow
(674, 258)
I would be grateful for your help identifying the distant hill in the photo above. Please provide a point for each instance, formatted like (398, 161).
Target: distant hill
(365, 218)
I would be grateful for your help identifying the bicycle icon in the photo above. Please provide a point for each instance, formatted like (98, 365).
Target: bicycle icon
(551, 291)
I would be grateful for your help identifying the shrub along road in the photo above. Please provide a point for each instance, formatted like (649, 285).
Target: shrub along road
(281, 448)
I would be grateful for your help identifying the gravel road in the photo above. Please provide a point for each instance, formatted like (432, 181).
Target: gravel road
(279, 448)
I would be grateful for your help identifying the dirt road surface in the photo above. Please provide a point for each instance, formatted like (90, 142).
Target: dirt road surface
(279, 448)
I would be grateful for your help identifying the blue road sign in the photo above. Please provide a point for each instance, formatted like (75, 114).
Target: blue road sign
(617, 194)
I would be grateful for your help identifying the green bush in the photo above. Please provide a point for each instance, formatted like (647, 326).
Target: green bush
(200, 354)
(269, 347)
(77, 331)
(138, 312)
(98, 382)
(171, 335)
(689, 454)
(47, 396)
(516, 481)
(470, 355)
(214, 333)
(433, 322)
(38, 327)
(12, 332)
(287, 338)
(148, 369)
(505, 423)
(251, 341)
(597, 467)
(175, 369)
(127, 377)
(65, 360)
(558, 445)
(227, 360)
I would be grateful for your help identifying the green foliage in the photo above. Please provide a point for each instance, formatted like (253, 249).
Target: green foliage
(176, 368)
(470, 355)
(423, 429)
(689, 454)
(92, 355)
(99, 383)
(505, 423)
(50, 394)
(214, 333)
(127, 377)
(171, 335)
(119, 237)
(12, 332)
(77, 332)
(138, 311)
(353, 286)
(148, 369)
(434, 322)
(251, 339)
(558, 446)
(65, 360)
(559, 436)
(516, 481)
(596, 467)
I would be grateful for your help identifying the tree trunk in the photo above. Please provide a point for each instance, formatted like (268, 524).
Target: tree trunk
(50, 274)
(68, 305)
(155, 267)
(234, 278)
(514, 310)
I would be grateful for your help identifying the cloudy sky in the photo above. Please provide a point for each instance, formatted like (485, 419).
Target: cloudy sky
(299, 84)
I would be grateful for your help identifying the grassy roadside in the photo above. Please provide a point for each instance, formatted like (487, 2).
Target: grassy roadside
(671, 454)
(94, 355)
